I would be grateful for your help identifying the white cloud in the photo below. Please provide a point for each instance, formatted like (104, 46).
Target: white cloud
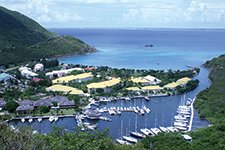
(221, 16)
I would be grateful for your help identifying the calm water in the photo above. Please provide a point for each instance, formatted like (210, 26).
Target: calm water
(124, 49)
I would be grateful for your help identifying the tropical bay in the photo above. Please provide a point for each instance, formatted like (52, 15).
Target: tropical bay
(130, 85)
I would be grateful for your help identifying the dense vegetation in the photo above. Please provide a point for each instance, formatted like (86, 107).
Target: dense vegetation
(211, 102)
(22, 39)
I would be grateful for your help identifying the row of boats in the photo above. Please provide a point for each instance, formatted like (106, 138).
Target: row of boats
(145, 132)
(181, 122)
(51, 119)
(118, 110)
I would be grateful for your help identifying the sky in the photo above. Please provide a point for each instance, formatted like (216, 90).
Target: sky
(122, 13)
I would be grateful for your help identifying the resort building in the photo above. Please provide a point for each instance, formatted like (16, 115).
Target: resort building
(74, 78)
(106, 85)
(60, 73)
(141, 80)
(183, 81)
(62, 101)
(152, 88)
(4, 77)
(171, 86)
(134, 89)
(26, 72)
(152, 80)
(25, 106)
(39, 67)
(65, 89)
(42, 102)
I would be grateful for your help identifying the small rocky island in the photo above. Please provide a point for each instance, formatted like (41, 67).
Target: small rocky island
(150, 45)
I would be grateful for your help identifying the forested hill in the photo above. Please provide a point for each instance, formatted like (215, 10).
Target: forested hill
(23, 39)
(211, 102)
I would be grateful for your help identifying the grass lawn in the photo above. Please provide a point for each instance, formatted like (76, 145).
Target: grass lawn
(65, 112)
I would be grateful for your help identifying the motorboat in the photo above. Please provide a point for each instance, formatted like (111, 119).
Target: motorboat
(147, 98)
(146, 131)
(39, 119)
(180, 117)
(30, 120)
(164, 129)
(51, 118)
(112, 112)
(142, 111)
(130, 139)
(148, 110)
(23, 120)
(137, 134)
(127, 98)
(56, 118)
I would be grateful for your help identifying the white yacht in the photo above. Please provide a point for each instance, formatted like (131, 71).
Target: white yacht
(172, 129)
(39, 119)
(180, 117)
(142, 111)
(164, 129)
(130, 139)
(181, 128)
(181, 124)
(112, 112)
(127, 98)
(122, 142)
(30, 120)
(155, 130)
(51, 118)
(23, 120)
(148, 110)
(147, 98)
(146, 131)
(137, 134)
(56, 118)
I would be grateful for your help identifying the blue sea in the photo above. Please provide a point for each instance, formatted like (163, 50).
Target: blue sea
(124, 48)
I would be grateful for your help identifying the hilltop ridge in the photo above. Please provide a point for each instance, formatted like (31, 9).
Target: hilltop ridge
(23, 39)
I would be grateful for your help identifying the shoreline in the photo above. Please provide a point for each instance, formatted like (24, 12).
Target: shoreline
(71, 55)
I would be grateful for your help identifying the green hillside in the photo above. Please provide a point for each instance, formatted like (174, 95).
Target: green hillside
(211, 102)
(23, 39)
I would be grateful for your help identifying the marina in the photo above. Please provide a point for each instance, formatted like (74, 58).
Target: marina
(166, 106)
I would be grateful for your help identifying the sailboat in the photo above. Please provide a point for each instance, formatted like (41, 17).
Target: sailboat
(171, 128)
(128, 138)
(146, 131)
(155, 130)
(164, 129)
(120, 140)
(136, 134)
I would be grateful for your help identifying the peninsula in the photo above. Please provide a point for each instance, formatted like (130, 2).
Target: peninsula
(23, 39)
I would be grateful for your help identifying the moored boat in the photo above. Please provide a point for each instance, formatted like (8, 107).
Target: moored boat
(147, 132)
(164, 129)
(130, 139)
(23, 120)
(137, 134)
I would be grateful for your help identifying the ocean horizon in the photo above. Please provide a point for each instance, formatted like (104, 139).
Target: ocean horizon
(173, 48)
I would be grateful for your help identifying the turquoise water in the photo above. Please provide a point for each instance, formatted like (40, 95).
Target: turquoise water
(122, 48)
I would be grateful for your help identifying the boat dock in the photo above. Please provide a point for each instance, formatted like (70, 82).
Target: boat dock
(192, 115)
(43, 117)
